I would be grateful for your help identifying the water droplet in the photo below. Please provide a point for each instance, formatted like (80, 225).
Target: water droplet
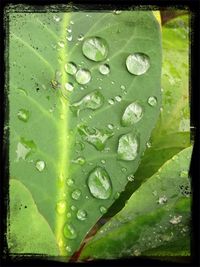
(136, 252)
(175, 157)
(69, 29)
(69, 215)
(123, 87)
(117, 195)
(184, 174)
(111, 101)
(79, 160)
(93, 101)
(132, 114)
(124, 170)
(23, 115)
(95, 48)
(118, 98)
(83, 76)
(152, 101)
(70, 182)
(80, 37)
(103, 209)
(61, 44)
(162, 200)
(81, 215)
(69, 231)
(71, 68)
(69, 87)
(40, 165)
(128, 147)
(56, 18)
(71, 22)
(148, 144)
(22, 91)
(137, 63)
(94, 136)
(131, 178)
(61, 207)
(104, 69)
(176, 219)
(76, 194)
(25, 148)
(103, 161)
(69, 37)
(68, 249)
(110, 126)
(99, 183)
(73, 208)
(117, 12)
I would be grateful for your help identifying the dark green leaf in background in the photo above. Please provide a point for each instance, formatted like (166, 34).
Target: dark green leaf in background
(156, 215)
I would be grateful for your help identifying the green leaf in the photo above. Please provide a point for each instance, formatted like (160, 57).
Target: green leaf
(172, 131)
(28, 231)
(157, 213)
(64, 134)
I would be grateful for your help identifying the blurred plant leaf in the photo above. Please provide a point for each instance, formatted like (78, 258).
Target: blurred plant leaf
(156, 214)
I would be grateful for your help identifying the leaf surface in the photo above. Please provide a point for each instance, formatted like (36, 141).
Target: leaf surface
(172, 131)
(63, 134)
(29, 232)
(157, 213)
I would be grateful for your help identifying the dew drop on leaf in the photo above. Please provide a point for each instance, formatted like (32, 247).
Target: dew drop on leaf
(162, 200)
(61, 207)
(124, 169)
(152, 101)
(111, 101)
(81, 215)
(117, 12)
(176, 219)
(70, 182)
(69, 231)
(80, 37)
(69, 87)
(184, 174)
(68, 249)
(70, 68)
(69, 37)
(128, 147)
(131, 178)
(103, 161)
(95, 48)
(56, 18)
(40, 165)
(23, 115)
(79, 160)
(110, 126)
(76, 194)
(83, 76)
(132, 114)
(99, 183)
(137, 63)
(103, 209)
(95, 137)
(118, 98)
(93, 101)
(73, 208)
(61, 44)
(104, 69)
(25, 148)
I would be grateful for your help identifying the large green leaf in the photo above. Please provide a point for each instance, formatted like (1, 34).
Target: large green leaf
(55, 149)
(28, 232)
(172, 132)
(157, 213)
